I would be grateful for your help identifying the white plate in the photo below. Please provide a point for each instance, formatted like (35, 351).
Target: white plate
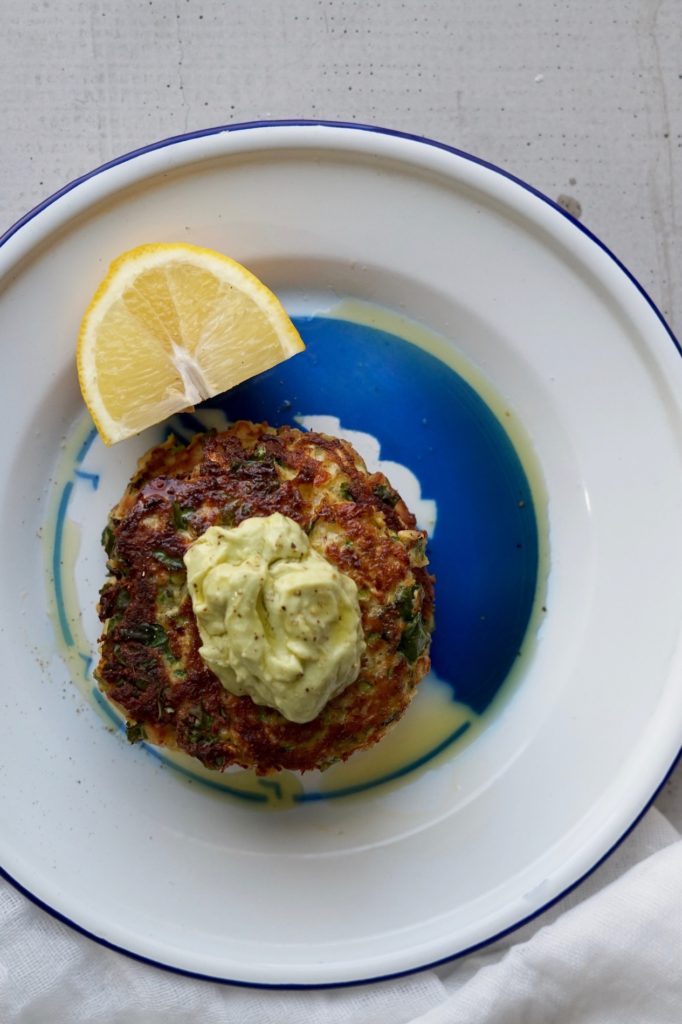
(328, 892)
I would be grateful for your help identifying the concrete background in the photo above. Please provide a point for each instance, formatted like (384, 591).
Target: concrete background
(581, 99)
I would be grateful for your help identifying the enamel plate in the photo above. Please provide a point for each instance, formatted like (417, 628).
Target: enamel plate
(523, 394)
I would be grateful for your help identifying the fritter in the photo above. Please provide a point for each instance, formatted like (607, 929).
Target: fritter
(150, 666)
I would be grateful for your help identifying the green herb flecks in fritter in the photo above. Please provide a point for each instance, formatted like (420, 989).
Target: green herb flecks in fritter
(150, 665)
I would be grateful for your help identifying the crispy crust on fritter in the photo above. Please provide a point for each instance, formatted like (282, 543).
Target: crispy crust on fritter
(150, 665)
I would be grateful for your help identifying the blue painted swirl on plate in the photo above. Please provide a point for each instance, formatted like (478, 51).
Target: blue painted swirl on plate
(484, 550)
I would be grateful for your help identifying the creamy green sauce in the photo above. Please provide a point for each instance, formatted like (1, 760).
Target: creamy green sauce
(278, 622)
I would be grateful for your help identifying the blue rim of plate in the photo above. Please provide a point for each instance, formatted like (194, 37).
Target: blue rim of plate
(434, 144)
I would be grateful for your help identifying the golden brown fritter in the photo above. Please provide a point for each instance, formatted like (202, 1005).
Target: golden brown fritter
(150, 665)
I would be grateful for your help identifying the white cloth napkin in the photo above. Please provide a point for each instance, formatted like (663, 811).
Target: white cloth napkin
(610, 953)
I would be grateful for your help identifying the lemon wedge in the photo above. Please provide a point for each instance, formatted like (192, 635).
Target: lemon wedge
(169, 326)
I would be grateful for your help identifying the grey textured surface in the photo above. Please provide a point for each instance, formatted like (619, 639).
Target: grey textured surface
(583, 100)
